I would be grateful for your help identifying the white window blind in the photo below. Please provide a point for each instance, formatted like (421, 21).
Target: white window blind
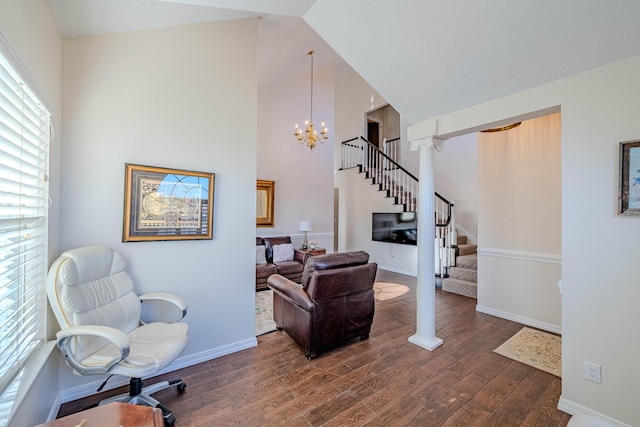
(24, 141)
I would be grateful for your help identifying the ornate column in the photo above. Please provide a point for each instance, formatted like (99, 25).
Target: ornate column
(425, 335)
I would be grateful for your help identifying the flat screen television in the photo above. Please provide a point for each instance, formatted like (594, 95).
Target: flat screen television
(394, 227)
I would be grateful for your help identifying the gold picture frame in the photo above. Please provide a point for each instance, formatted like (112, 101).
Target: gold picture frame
(265, 191)
(629, 182)
(167, 204)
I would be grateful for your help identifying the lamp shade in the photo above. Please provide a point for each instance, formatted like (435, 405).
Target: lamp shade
(305, 225)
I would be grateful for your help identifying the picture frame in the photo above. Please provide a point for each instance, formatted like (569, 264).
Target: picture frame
(629, 179)
(167, 204)
(265, 194)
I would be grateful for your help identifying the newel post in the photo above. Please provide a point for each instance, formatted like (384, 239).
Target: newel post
(425, 335)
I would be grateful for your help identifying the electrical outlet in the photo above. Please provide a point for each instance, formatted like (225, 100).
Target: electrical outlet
(593, 372)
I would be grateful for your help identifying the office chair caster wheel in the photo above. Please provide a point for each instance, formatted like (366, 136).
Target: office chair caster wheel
(181, 387)
(169, 421)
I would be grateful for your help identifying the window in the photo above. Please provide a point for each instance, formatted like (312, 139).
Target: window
(24, 140)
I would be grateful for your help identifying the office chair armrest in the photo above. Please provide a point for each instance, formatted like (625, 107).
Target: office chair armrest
(290, 290)
(116, 337)
(174, 300)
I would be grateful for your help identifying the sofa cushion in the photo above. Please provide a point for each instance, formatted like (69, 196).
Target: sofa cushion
(289, 268)
(283, 252)
(261, 255)
(270, 242)
(265, 270)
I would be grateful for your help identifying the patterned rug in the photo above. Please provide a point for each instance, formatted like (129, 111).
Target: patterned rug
(535, 348)
(264, 312)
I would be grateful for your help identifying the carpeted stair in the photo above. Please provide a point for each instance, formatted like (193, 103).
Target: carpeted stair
(463, 278)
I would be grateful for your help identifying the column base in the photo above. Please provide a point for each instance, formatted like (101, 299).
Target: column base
(428, 343)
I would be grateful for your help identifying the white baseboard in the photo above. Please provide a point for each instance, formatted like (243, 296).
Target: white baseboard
(182, 362)
(574, 409)
(55, 408)
(520, 319)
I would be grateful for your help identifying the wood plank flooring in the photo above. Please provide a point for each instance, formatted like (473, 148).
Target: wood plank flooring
(382, 381)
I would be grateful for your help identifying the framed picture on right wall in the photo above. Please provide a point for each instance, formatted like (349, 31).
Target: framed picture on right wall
(629, 197)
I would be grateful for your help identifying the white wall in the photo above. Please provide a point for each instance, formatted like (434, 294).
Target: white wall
(358, 199)
(456, 179)
(599, 248)
(303, 178)
(30, 28)
(353, 98)
(182, 97)
(519, 223)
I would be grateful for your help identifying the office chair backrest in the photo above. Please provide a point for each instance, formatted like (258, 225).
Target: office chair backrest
(90, 286)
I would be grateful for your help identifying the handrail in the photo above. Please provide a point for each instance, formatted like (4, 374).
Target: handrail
(402, 185)
(387, 157)
(448, 203)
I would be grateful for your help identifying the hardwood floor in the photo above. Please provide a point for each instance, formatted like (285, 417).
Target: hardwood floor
(382, 381)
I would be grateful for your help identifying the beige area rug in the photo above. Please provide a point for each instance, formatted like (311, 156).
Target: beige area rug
(383, 291)
(535, 348)
(264, 312)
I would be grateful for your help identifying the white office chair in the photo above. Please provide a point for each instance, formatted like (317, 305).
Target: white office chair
(107, 329)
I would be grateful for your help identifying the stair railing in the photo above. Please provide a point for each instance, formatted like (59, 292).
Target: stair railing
(399, 184)
(392, 149)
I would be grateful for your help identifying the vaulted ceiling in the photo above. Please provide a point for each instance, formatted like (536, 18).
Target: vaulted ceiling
(426, 57)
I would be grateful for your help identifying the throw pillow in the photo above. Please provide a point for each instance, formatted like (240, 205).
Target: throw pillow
(261, 257)
(283, 252)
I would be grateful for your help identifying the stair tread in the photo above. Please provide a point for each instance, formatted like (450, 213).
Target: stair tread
(467, 249)
(461, 273)
(460, 287)
(467, 261)
(450, 279)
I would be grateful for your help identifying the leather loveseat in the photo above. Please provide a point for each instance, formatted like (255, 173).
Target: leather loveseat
(333, 305)
(289, 268)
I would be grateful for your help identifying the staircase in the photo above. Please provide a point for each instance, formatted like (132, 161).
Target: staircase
(402, 187)
(463, 278)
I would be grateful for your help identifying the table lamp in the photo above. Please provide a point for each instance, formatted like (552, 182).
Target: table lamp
(305, 226)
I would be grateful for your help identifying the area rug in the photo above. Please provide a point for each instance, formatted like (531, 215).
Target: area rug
(383, 291)
(535, 348)
(264, 312)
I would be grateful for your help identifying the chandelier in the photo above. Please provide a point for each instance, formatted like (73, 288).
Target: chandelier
(310, 136)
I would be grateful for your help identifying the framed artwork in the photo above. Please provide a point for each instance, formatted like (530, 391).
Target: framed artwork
(629, 197)
(265, 191)
(167, 204)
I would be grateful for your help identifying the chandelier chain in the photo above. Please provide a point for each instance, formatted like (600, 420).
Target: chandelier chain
(311, 97)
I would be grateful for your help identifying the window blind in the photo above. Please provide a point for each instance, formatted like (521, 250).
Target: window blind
(24, 141)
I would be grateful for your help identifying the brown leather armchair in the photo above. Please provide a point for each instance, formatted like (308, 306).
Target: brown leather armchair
(334, 303)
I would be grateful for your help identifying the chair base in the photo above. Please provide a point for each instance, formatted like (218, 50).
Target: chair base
(139, 395)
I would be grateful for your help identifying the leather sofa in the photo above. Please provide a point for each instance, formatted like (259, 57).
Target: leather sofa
(333, 305)
(291, 269)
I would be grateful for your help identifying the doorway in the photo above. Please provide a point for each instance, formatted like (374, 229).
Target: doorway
(383, 131)
(373, 132)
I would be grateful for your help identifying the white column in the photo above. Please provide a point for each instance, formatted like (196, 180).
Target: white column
(425, 335)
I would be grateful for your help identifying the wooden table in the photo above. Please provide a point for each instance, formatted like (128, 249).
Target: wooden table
(311, 252)
(113, 414)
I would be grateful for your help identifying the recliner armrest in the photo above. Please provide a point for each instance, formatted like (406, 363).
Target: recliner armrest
(291, 290)
(116, 337)
(176, 301)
